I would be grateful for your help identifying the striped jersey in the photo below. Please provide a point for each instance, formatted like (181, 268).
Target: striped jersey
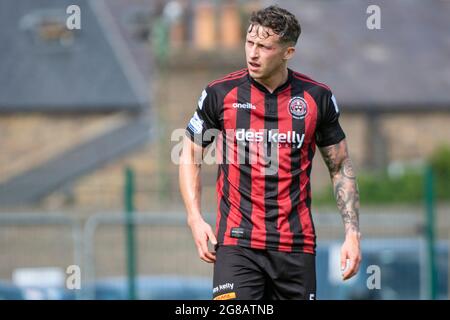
(265, 143)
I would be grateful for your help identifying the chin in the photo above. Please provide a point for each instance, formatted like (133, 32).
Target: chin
(255, 75)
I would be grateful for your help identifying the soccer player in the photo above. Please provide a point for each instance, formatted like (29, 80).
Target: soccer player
(269, 120)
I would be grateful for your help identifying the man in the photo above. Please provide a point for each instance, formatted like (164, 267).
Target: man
(265, 239)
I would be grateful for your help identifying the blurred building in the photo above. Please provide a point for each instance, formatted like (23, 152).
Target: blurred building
(72, 101)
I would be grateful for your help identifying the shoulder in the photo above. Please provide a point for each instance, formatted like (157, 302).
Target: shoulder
(212, 96)
(311, 83)
(230, 80)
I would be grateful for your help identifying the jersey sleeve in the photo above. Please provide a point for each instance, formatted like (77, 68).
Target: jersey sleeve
(329, 130)
(205, 123)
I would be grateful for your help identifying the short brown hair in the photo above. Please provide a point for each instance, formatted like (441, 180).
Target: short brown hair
(282, 22)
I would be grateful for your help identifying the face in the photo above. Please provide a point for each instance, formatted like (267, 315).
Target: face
(265, 54)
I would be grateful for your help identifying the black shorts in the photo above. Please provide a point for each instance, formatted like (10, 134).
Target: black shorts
(251, 274)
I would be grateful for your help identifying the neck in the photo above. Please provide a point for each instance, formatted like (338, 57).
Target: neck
(275, 80)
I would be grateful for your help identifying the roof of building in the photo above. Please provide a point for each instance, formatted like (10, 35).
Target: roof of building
(404, 65)
(46, 67)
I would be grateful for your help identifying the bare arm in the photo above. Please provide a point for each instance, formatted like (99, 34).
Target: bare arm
(347, 198)
(190, 187)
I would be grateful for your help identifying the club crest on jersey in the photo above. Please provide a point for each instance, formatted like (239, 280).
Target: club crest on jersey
(298, 107)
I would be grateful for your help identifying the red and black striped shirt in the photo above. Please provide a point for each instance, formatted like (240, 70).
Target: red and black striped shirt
(265, 143)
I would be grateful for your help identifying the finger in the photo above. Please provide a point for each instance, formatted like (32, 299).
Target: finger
(351, 274)
(343, 261)
(206, 255)
(208, 260)
(203, 243)
(212, 237)
(210, 256)
(351, 270)
(358, 264)
(203, 256)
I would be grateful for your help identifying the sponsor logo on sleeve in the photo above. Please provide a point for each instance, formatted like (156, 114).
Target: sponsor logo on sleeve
(196, 124)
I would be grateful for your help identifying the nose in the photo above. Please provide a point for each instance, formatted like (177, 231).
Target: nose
(253, 52)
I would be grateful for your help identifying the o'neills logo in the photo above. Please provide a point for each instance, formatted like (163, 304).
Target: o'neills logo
(273, 136)
(246, 105)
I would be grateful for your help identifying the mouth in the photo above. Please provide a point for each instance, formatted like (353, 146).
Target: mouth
(254, 65)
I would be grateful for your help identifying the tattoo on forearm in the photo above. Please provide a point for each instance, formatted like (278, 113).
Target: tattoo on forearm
(347, 169)
(329, 156)
(344, 183)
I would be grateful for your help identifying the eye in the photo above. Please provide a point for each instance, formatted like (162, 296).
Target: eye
(262, 46)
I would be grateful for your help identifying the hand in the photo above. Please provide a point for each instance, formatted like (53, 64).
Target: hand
(202, 232)
(350, 250)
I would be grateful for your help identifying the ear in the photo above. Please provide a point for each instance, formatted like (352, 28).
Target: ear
(289, 53)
